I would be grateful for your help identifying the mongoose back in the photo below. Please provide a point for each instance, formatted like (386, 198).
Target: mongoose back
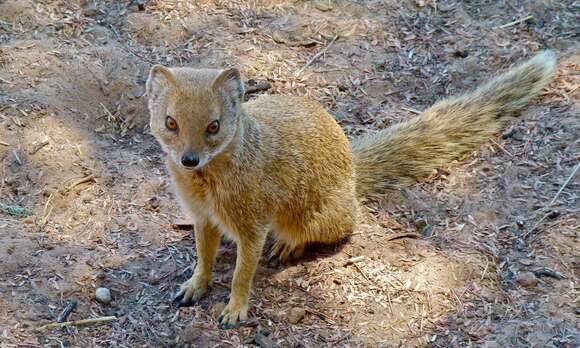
(282, 164)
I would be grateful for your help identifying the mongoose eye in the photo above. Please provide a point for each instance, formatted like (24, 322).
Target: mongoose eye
(171, 123)
(213, 127)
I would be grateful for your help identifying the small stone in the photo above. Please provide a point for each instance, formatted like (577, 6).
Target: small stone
(427, 231)
(323, 5)
(154, 279)
(90, 11)
(498, 311)
(546, 272)
(527, 279)
(296, 314)
(508, 133)
(103, 295)
(263, 341)
(461, 53)
(140, 5)
(101, 275)
(191, 334)
(446, 7)
(487, 294)
(338, 116)
(86, 197)
(277, 317)
(518, 136)
(554, 214)
(217, 309)
(37, 312)
(420, 224)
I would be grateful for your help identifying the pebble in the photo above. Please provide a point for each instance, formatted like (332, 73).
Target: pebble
(427, 231)
(527, 279)
(190, 335)
(323, 5)
(488, 295)
(518, 136)
(37, 312)
(91, 12)
(217, 309)
(508, 133)
(554, 214)
(140, 5)
(446, 7)
(154, 279)
(296, 314)
(546, 272)
(103, 295)
(263, 341)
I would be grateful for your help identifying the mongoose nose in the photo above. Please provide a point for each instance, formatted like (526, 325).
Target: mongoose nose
(190, 159)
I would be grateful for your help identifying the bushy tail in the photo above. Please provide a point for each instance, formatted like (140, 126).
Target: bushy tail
(408, 152)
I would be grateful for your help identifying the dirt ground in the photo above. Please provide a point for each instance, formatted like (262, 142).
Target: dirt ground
(483, 254)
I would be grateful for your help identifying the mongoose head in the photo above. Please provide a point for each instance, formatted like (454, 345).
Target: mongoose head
(195, 113)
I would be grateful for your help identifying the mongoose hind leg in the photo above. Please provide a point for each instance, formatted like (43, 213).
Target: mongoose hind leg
(328, 226)
(283, 252)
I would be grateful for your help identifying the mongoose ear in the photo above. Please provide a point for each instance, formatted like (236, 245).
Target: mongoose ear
(160, 78)
(230, 81)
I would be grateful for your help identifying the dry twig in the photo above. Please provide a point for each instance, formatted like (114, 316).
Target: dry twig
(83, 322)
(354, 260)
(565, 183)
(403, 235)
(38, 147)
(317, 55)
(258, 87)
(517, 21)
(80, 181)
(415, 111)
(16, 157)
(67, 311)
(553, 201)
(502, 148)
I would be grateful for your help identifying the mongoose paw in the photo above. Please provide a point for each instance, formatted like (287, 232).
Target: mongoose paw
(282, 252)
(232, 315)
(191, 291)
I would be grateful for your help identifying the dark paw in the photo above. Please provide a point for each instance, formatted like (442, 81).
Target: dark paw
(177, 298)
(225, 325)
(274, 261)
(179, 301)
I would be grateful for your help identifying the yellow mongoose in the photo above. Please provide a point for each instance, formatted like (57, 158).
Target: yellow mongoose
(282, 164)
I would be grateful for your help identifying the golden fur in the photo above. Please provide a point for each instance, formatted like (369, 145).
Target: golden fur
(282, 164)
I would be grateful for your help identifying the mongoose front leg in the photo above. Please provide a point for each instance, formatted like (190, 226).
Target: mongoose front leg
(207, 239)
(248, 255)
